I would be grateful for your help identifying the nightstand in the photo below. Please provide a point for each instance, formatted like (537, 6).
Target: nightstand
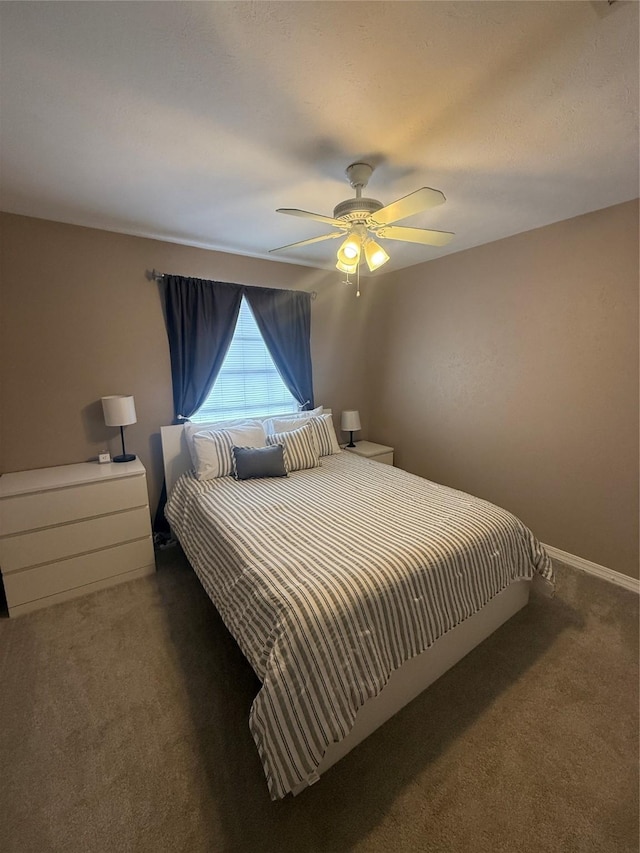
(73, 529)
(371, 450)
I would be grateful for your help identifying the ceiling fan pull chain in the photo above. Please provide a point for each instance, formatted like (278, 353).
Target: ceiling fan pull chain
(358, 280)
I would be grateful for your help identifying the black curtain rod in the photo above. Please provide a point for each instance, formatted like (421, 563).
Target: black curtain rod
(154, 275)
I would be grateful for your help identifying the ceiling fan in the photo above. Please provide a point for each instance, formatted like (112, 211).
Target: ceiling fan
(361, 220)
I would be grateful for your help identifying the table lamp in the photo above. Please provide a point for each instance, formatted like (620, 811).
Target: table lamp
(120, 411)
(350, 423)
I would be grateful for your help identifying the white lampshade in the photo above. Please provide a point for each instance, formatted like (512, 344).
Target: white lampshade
(118, 410)
(350, 420)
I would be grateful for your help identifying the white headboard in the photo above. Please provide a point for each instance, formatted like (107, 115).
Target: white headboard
(175, 453)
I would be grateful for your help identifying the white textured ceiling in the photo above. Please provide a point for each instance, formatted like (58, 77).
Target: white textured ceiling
(193, 122)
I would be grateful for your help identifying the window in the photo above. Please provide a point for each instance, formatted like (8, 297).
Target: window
(248, 384)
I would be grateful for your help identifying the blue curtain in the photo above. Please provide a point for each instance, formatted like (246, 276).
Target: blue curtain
(201, 319)
(284, 320)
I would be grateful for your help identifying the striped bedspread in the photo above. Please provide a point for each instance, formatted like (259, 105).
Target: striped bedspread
(332, 578)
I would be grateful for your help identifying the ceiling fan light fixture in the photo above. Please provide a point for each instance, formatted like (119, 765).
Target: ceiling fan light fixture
(375, 255)
(360, 219)
(350, 269)
(349, 252)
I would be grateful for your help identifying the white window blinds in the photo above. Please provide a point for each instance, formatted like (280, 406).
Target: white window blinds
(248, 384)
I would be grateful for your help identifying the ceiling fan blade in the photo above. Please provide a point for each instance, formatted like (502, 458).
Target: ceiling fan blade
(415, 235)
(408, 205)
(317, 216)
(309, 241)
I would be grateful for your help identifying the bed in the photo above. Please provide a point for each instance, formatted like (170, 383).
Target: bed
(349, 588)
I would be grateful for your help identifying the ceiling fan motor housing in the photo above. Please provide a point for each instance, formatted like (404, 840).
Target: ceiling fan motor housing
(356, 209)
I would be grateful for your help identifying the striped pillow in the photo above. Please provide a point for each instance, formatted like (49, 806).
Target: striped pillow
(191, 428)
(212, 452)
(324, 435)
(299, 447)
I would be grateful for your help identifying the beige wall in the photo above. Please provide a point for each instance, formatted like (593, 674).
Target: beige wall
(511, 371)
(80, 320)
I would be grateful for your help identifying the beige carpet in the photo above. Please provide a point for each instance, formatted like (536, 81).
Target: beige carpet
(123, 727)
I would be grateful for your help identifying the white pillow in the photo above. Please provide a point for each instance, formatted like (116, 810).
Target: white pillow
(307, 413)
(292, 419)
(213, 449)
(277, 425)
(191, 429)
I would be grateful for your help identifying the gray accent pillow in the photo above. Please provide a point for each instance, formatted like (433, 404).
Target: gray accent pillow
(255, 462)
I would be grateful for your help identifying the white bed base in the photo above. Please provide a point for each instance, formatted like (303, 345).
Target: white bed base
(415, 675)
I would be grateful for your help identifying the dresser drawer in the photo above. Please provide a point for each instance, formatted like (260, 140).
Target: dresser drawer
(46, 508)
(33, 584)
(56, 543)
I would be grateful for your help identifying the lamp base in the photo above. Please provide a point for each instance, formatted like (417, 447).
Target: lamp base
(351, 441)
(124, 457)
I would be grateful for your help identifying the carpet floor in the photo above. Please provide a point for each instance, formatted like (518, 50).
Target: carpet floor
(123, 727)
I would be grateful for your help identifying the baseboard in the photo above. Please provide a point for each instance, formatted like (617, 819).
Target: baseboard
(593, 568)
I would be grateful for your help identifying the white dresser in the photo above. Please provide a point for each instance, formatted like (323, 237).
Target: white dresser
(73, 529)
(369, 449)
